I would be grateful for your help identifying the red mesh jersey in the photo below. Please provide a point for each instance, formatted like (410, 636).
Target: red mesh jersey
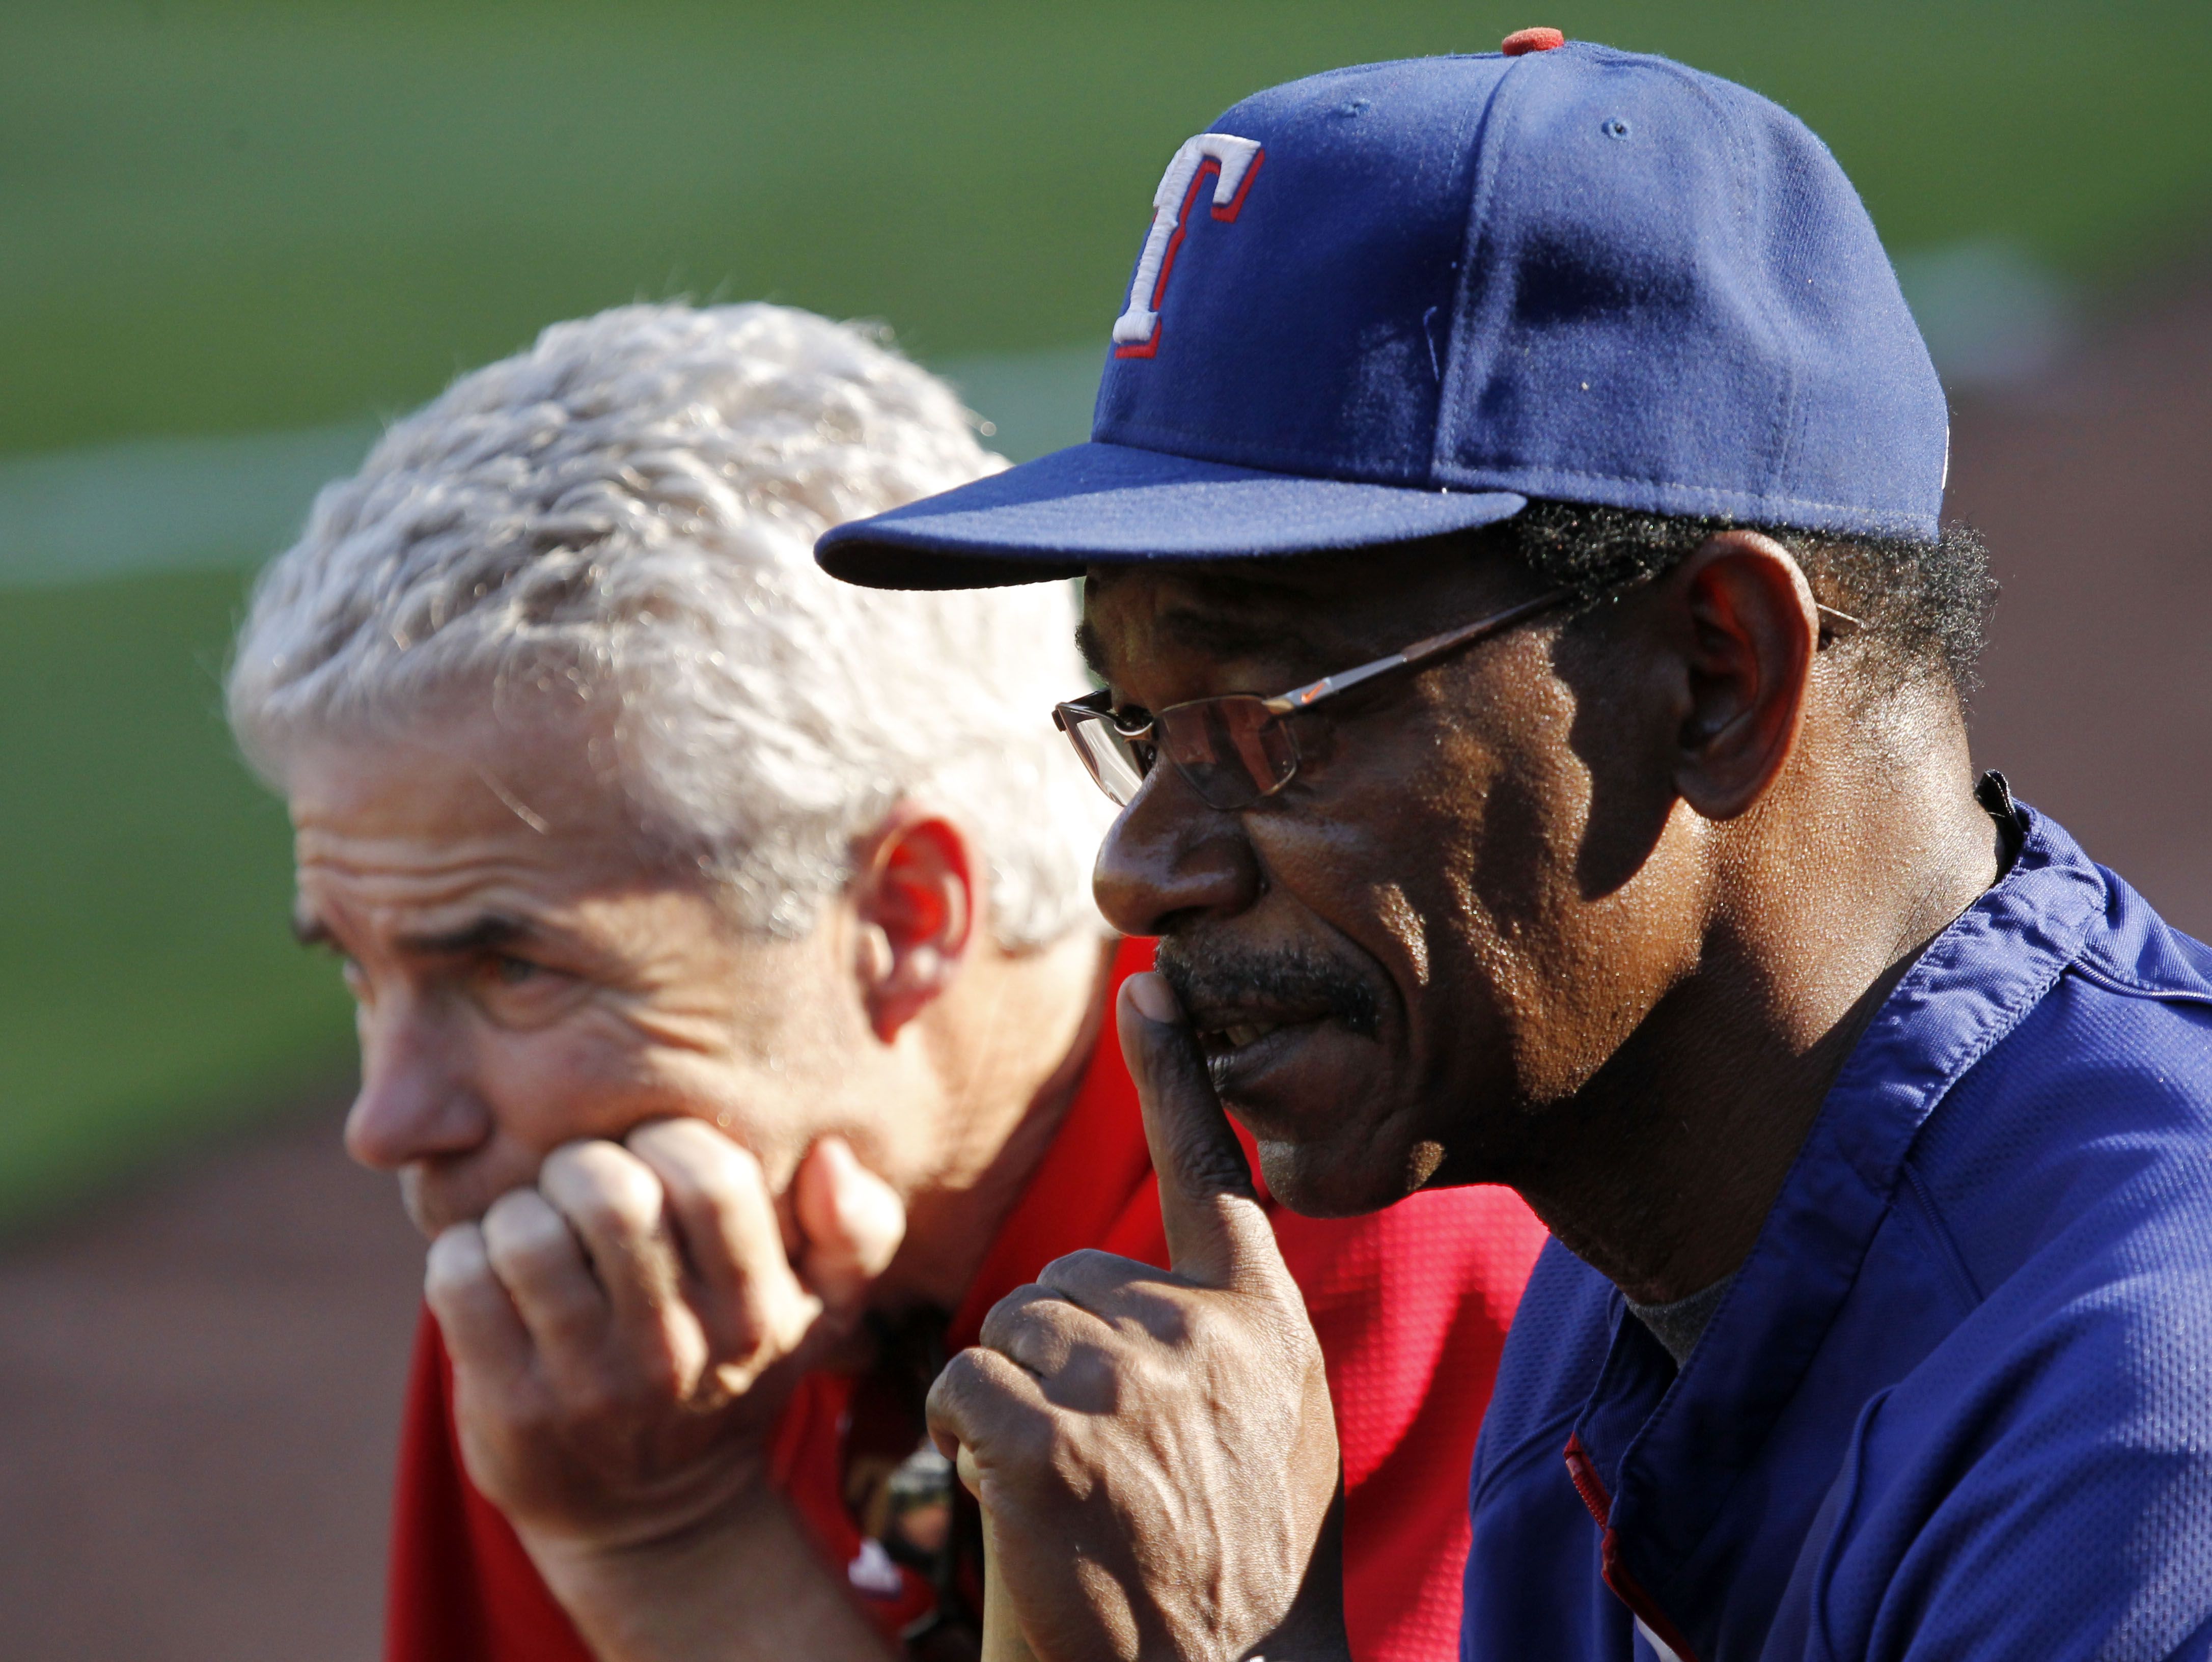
(1411, 1305)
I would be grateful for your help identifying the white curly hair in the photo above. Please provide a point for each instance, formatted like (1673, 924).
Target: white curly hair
(625, 515)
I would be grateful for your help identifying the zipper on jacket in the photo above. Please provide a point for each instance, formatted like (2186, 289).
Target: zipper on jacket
(1661, 1635)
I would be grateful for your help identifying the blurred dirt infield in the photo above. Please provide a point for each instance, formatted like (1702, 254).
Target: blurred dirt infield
(199, 1390)
(2095, 491)
(199, 1376)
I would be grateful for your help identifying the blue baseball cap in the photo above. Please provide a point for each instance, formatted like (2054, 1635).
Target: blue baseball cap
(1401, 300)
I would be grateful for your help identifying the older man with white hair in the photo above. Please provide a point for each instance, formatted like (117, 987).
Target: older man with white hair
(730, 1006)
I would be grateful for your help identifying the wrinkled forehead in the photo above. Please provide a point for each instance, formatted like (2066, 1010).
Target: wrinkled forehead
(461, 783)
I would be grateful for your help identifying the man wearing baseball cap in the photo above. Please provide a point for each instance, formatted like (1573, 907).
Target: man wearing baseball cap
(1534, 675)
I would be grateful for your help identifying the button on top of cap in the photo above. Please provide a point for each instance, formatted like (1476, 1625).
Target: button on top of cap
(1528, 40)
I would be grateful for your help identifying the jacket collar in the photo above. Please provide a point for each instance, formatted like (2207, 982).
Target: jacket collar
(1672, 1447)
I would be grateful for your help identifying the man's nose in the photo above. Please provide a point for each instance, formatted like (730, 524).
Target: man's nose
(1170, 857)
(416, 1100)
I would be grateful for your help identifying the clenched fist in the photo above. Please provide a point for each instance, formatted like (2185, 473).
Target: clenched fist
(1155, 1452)
(625, 1335)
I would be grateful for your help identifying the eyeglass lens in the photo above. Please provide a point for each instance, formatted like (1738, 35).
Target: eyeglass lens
(1233, 750)
(1118, 763)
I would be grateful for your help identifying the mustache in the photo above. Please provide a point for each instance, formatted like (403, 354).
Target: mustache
(1295, 976)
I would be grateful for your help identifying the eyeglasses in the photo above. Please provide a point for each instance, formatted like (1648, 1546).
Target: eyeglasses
(1238, 749)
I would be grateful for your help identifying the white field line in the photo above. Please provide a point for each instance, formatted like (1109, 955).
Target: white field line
(1992, 316)
(229, 503)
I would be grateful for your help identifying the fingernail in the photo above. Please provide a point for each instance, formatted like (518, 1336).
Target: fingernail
(1149, 993)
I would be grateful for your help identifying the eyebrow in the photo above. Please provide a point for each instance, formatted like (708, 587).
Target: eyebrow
(1220, 634)
(1226, 634)
(487, 933)
(1092, 648)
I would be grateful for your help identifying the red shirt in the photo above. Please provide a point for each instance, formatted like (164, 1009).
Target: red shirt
(1410, 1306)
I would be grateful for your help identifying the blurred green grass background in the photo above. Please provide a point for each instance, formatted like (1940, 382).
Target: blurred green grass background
(145, 987)
(235, 218)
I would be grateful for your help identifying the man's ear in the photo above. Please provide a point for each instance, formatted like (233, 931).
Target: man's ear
(1751, 630)
(913, 894)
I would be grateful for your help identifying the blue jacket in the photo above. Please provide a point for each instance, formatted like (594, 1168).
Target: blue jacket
(1958, 1402)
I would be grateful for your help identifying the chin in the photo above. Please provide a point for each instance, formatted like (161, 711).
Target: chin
(1317, 1102)
(1319, 1180)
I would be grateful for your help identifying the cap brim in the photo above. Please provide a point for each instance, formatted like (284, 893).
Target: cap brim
(1097, 504)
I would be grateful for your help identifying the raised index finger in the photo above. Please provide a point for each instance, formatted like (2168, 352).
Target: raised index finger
(1218, 1236)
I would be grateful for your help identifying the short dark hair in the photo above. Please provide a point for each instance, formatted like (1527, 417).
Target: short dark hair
(1926, 605)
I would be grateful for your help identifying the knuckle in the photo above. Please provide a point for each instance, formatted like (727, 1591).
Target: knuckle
(724, 1172)
(736, 1166)
(725, 1207)
(657, 1136)
(572, 1164)
(604, 1179)
(457, 1263)
(1156, 1377)
(1092, 1380)
(685, 1137)
(600, 1217)
(960, 1393)
(504, 1213)
(728, 1159)
(692, 1154)
(1025, 1317)
(1016, 1438)
(521, 1231)
(730, 1192)
(1007, 1318)
(1086, 1267)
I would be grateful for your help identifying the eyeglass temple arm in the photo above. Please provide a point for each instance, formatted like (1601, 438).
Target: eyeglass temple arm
(1835, 625)
(1301, 698)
